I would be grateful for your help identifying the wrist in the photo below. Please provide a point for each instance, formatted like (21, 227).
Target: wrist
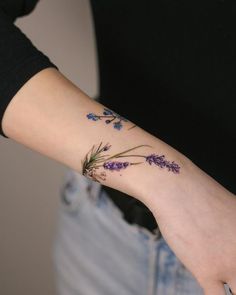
(194, 188)
(161, 189)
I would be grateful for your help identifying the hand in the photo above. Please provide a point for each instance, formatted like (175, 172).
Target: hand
(199, 224)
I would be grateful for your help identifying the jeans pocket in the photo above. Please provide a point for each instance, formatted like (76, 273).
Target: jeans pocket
(186, 282)
(116, 214)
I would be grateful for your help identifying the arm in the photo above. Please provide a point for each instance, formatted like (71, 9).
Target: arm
(196, 215)
(48, 114)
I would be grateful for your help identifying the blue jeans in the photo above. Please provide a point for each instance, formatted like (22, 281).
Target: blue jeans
(96, 252)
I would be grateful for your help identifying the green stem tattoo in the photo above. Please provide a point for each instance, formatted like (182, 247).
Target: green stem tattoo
(96, 159)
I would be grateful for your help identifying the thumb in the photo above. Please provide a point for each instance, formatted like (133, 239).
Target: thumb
(216, 288)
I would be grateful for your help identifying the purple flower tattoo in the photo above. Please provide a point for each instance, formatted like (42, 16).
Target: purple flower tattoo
(110, 117)
(96, 159)
(115, 165)
(162, 162)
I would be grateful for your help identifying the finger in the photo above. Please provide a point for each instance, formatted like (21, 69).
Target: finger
(231, 287)
(231, 291)
(228, 290)
(216, 289)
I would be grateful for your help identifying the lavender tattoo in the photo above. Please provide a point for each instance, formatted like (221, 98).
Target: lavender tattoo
(110, 117)
(162, 162)
(96, 158)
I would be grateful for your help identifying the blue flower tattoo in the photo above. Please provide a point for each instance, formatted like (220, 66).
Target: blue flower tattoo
(110, 117)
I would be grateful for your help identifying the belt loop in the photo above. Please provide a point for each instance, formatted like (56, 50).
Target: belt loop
(93, 188)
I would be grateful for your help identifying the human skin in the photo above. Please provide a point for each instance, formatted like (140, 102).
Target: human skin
(196, 215)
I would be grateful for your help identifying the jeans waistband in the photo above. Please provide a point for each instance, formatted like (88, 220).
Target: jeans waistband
(77, 186)
(134, 211)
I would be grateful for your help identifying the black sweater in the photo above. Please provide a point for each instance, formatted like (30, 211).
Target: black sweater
(169, 66)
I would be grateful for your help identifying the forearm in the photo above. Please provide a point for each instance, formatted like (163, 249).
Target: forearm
(49, 115)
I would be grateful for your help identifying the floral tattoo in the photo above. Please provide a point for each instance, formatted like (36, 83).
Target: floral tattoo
(97, 158)
(110, 117)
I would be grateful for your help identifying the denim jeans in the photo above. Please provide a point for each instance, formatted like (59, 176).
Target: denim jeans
(96, 252)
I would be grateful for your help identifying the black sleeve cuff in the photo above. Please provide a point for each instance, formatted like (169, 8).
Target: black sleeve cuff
(18, 77)
(19, 61)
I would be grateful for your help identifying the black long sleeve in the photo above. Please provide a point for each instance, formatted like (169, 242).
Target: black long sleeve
(19, 58)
